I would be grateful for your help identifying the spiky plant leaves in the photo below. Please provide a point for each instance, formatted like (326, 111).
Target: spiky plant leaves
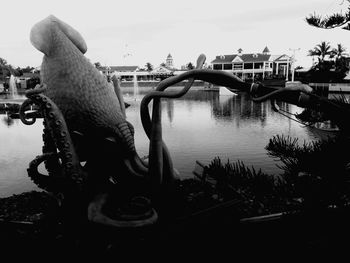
(317, 171)
(315, 175)
(332, 21)
(262, 193)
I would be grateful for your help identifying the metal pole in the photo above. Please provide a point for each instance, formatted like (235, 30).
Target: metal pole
(293, 60)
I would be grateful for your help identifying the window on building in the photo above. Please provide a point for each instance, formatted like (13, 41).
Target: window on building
(217, 66)
(258, 65)
(238, 66)
(227, 66)
(248, 65)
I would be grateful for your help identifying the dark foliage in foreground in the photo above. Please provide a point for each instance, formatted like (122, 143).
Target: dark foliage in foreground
(27, 207)
(316, 172)
(315, 176)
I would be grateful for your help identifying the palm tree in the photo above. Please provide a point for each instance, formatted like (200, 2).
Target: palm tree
(321, 51)
(339, 52)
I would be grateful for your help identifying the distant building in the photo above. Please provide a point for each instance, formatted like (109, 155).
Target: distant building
(254, 66)
(28, 80)
(134, 73)
(169, 61)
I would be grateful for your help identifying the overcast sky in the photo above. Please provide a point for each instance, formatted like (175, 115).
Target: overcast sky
(149, 30)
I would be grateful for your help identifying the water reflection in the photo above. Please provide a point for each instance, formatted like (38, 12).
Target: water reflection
(199, 126)
(7, 120)
(238, 109)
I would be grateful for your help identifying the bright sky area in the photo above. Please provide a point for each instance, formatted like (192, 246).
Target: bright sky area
(137, 32)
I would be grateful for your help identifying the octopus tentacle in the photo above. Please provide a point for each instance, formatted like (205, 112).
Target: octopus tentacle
(118, 92)
(127, 134)
(22, 113)
(45, 182)
(52, 163)
(59, 137)
(159, 154)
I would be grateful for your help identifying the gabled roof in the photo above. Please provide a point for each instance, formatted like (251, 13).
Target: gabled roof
(266, 50)
(161, 69)
(237, 59)
(282, 57)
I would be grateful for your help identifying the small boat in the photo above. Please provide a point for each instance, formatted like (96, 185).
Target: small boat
(326, 126)
(324, 130)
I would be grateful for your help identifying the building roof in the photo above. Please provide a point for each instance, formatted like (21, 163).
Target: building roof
(266, 50)
(162, 70)
(119, 68)
(224, 59)
(255, 57)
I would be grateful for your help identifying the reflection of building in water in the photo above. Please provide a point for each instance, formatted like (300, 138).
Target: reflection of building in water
(241, 107)
(254, 66)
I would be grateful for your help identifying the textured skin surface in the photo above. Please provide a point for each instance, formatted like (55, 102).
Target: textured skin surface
(88, 103)
(58, 136)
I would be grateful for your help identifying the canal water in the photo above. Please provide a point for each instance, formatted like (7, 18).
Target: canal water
(200, 126)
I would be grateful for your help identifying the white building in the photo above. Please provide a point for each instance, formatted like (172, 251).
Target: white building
(254, 66)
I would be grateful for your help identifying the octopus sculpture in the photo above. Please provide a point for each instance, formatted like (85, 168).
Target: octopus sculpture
(84, 117)
(87, 139)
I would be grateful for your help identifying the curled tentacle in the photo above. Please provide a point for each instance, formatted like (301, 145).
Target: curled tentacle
(48, 183)
(138, 213)
(22, 114)
(28, 102)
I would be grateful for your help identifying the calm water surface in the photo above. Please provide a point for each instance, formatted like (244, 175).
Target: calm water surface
(199, 126)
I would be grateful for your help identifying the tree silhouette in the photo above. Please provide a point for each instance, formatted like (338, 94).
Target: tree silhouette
(190, 66)
(335, 20)
(321, 51)
(339, 52)
(149, 66)
(331, 65)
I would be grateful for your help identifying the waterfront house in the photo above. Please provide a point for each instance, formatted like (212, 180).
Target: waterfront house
(254, 66)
